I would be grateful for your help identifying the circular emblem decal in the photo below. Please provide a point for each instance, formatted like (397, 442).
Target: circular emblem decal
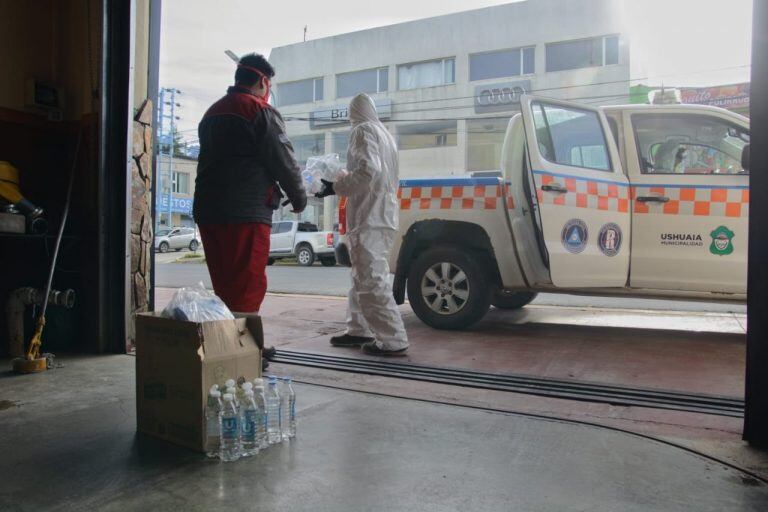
(574, 236)
(609, 239)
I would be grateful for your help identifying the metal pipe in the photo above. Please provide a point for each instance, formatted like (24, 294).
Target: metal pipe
(17, 302)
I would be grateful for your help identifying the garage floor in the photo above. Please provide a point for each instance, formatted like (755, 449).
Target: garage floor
(69, 444)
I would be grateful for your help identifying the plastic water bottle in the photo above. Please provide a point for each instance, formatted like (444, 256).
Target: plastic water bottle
(287, 409)
(259, 398)
(213, 423)
(230, 430)
(272, 397)
(231, 390)
(250, 420)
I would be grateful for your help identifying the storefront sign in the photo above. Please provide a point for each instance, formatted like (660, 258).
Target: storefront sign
(728, 96)
(178, 204)
(500, 97)
(340, 114)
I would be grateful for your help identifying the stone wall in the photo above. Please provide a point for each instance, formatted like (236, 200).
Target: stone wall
(141, 215)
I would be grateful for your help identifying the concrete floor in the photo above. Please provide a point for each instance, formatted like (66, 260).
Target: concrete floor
(69, 444)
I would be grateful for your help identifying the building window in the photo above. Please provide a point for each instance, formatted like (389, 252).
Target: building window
(584, 53)
(303, 91)
(180, 182)
(427, 135)
(370, 81)
(485, 138)
(340, 143)
(305, 146)
(426, 74)
(503, 63)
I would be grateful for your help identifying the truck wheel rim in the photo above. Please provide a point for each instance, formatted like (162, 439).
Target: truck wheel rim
(304, 257)
(445, 288)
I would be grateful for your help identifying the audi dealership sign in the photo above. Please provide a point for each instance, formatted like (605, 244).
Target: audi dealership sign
(500, 97)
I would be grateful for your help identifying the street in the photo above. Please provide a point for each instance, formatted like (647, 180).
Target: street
(318, 280)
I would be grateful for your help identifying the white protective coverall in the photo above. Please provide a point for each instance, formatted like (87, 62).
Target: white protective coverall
(372, 219)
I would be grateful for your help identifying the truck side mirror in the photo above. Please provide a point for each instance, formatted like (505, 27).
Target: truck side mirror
(745, 158)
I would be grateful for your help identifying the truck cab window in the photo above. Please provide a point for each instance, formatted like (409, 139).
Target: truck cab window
(569, 136)
(688, 144)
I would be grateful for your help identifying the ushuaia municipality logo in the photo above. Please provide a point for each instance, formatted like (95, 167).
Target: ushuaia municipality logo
(721, 241)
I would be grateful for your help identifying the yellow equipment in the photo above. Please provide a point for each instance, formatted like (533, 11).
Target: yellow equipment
(10, 193)
(9, 184)
(33, 362)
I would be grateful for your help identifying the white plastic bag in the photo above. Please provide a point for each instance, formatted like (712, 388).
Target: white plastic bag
(326, 167)
(196, 304)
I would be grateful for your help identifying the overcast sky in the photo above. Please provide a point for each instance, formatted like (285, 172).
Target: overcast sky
(677, 42)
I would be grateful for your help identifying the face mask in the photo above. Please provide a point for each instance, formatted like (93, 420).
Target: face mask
(264, 77)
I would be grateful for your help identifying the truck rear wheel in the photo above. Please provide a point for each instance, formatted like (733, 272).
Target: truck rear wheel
(512, 300)
(448, 288)
(305, 256)
(328, 261)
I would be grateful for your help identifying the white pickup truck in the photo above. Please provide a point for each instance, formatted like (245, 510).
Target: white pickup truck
(639, 200)
(303, 241)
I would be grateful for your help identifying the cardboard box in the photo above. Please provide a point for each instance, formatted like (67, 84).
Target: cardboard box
(176, 364)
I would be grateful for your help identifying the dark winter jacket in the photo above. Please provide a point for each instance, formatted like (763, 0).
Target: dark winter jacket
(245, 158)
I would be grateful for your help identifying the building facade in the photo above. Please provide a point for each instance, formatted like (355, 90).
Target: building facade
(447, 86)
(178, 192)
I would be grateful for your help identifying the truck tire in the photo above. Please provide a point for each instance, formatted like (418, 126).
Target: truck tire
(512, 300)
(305, 256)
(193, 245)
(164, 247)
(328, 262)
(271, 261)
(449, 288)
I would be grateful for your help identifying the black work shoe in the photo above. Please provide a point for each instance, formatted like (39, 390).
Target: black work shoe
(269, 353)
(347, 340)
(372, 349)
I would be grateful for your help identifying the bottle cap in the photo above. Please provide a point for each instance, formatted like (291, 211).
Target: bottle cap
(286, 379)
(228, 397)
(215, 393)
(247, 385)
(259, 383)
(215, 387)
(230, 383)
(232, 391)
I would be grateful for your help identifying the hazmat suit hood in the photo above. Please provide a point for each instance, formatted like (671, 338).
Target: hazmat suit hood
(362, 109)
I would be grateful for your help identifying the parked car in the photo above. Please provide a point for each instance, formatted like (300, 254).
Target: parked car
(637, 200)
(176, 239)
(303, 241)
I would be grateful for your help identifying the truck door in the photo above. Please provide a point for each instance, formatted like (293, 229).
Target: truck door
(580, 192)
(691, 199)
(281, 239)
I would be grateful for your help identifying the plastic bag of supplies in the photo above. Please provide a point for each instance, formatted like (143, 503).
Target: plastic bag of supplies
(196, 304)
(327, 167)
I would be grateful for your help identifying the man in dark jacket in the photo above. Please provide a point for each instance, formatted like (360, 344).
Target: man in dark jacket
(245, 159)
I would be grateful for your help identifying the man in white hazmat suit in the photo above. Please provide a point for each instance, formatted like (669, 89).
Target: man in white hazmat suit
(373, 320)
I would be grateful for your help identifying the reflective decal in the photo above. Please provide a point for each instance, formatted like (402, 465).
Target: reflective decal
(609, 239)
(574, 236)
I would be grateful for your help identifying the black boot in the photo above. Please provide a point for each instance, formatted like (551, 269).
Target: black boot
(347, 340)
